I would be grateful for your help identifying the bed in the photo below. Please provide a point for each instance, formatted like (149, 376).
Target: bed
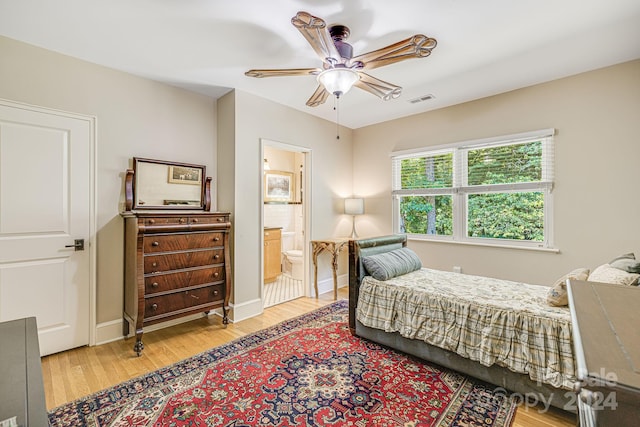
(374, 314)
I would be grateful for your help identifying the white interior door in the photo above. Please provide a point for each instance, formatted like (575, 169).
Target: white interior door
(45, 205)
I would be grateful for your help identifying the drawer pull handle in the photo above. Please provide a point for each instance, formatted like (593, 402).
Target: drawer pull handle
(195, 219)
(154, 285)
(152, 221)
(182, 220)
(154, 307)
(155, 264)
(155, 244)
(195, 296)
(220, 219)
(215, 293)
(215, 239)
(216, 274)
(216, 256)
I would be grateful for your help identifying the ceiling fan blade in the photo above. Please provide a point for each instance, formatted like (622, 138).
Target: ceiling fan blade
(315, 31)
(378, 87)
(418, 46)
(318, 97)
(283, 72)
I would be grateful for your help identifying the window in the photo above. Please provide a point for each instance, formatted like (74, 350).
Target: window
(492, 191)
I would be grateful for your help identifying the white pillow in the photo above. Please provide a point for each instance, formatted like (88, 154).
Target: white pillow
(607, 274)
(557, 295)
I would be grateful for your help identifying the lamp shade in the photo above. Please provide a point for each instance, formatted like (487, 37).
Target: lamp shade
(338, 81)
(354, 206)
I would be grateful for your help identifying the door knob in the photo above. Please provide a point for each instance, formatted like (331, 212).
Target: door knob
(78, 245)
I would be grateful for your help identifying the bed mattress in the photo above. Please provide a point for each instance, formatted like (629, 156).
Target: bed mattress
(487, 320)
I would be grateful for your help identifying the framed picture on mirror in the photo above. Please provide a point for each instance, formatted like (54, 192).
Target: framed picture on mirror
(185, 175)
(278, 186)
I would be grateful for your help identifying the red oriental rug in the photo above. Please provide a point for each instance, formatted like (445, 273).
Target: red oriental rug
(308, 371)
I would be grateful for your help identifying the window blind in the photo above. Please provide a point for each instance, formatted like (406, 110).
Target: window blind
(523, 161)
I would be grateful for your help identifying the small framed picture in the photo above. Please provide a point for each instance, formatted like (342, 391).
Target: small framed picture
(278, 186)
(185, 175)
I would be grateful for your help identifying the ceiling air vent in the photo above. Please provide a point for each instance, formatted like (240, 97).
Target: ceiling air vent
(421, 98)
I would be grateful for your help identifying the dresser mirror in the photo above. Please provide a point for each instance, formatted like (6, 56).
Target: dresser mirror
(160, 184)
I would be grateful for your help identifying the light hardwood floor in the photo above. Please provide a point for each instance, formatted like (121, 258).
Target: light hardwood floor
(76, 373)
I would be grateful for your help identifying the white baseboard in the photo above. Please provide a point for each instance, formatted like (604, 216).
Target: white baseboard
(245, 310)
(112, 330)
(109, 331)
(326, 285)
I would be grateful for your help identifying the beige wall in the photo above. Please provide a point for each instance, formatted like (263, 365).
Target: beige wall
(135, 117)
(596, 203)
(253, 119)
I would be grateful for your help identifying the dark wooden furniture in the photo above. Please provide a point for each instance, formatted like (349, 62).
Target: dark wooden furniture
(21, 386)
(177, 263)
(606, 337)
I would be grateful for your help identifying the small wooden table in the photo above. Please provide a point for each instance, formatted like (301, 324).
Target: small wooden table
(333, 247)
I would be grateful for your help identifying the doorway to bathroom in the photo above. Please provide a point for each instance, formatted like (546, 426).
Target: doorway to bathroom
(285, 219)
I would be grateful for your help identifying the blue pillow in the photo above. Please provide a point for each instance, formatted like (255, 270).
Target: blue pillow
(391, 264)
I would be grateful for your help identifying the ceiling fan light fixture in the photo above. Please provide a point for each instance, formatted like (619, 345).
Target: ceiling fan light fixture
(340, 69)
(339, 80)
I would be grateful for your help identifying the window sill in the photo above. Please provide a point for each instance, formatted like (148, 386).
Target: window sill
(491, 245)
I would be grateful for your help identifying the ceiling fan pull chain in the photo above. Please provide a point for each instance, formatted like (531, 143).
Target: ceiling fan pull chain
(336, 106)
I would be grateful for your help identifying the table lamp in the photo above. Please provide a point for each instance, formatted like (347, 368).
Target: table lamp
(353, 207)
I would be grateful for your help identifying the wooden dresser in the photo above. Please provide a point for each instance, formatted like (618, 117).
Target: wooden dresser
(177, 255)
(176, 264)
(606, 338)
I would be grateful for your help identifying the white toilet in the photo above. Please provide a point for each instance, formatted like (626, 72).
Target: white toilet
(293, 258)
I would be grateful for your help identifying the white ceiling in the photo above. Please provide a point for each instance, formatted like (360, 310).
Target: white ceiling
(484, 47)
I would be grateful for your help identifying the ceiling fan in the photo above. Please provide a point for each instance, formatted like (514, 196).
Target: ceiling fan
(340, 69)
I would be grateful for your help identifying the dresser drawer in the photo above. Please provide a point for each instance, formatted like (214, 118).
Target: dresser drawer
(178, 242)
(182, 279)
(164, 221)
(180, 260)
(159, 305)
(180, 220)
(208, 220)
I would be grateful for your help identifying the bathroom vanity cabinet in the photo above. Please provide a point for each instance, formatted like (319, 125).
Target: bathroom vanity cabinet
(272, 254)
